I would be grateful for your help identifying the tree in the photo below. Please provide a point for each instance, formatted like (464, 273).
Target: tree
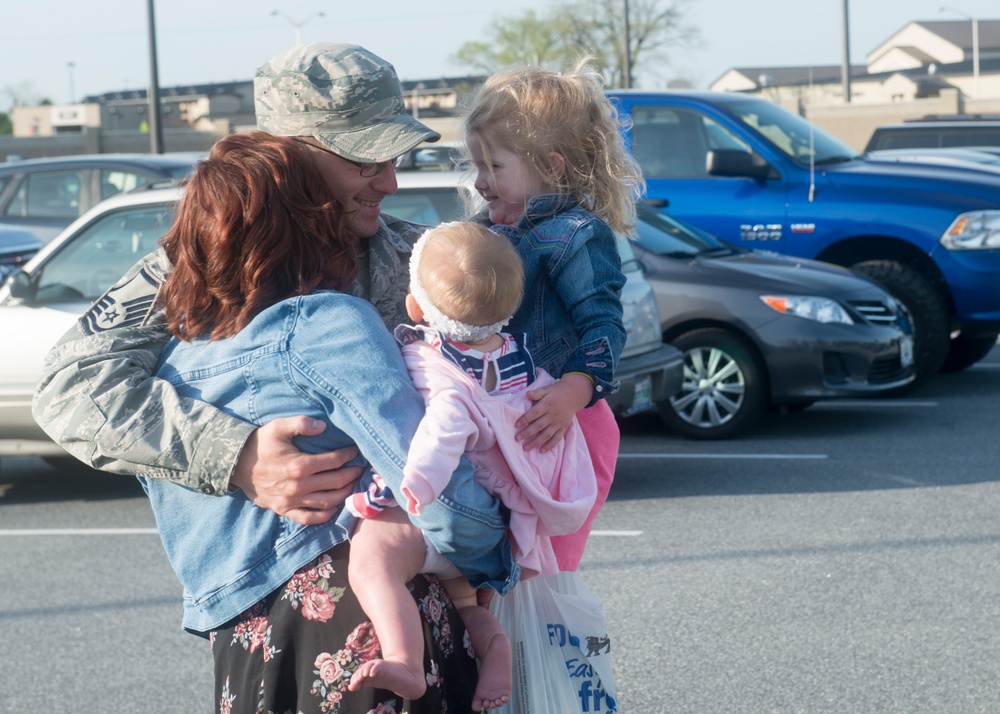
(6, 125)
(519, 40)
(586, 27)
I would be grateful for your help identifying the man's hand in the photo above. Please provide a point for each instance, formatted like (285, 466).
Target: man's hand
(555, 406)
(274, 474)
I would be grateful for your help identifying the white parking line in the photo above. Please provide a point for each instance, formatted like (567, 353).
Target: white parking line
(628, 534)
(988, 365)
(722, 456)
(76, 531)
(871, 403)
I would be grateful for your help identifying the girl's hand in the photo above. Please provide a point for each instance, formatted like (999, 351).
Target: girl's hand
(555, 406)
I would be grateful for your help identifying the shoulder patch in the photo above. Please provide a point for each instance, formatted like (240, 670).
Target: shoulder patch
(123, 305)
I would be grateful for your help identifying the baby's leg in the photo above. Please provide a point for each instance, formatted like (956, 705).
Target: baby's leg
(386, 553)
(490, 644)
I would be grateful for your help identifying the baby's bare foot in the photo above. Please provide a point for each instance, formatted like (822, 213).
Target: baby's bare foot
(495, 675)
(394, 676)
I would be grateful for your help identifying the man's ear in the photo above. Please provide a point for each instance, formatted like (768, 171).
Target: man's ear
(413, 309)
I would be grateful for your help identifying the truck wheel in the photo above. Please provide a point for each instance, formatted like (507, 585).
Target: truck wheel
(724, 390)
(926, 307)
(966, 351)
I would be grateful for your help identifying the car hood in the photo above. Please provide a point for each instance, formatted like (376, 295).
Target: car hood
(765, 272)
(13, 240)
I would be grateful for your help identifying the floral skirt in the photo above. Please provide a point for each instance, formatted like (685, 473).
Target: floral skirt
(296, 650)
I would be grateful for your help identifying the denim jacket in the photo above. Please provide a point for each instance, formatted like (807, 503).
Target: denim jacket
(572, 297)
(329, 356)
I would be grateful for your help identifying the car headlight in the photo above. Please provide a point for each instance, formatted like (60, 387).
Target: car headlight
(975, 230)
(819, 309)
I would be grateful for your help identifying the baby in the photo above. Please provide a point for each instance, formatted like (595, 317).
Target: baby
(465, 284)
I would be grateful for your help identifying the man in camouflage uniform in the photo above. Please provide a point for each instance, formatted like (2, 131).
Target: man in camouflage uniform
(97, 397)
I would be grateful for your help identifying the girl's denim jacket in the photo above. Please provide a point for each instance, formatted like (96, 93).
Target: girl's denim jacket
(572, 298)
(329, 356)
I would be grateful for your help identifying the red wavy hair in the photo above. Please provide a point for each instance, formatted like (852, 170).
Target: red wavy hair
(257, 224)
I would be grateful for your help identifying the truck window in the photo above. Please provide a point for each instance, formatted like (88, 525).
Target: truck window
(669, 142)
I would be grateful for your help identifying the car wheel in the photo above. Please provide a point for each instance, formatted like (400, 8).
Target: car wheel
(724, 390)
(925, 306)
(966, 351)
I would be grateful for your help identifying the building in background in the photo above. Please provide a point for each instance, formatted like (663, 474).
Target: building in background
(920, 61)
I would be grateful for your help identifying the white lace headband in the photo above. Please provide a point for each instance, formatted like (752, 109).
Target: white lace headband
(453, 329)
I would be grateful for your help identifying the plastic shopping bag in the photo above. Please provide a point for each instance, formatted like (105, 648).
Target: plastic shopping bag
(562, 653)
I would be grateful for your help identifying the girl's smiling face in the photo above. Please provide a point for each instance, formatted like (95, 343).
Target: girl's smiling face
(504, 179)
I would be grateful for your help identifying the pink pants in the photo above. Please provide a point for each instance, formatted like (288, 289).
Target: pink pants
(601, 432)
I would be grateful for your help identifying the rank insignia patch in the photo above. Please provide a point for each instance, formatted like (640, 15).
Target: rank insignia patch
(123, 305)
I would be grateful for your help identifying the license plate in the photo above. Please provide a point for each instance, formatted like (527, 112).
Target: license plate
(906, 351)
(642, 399)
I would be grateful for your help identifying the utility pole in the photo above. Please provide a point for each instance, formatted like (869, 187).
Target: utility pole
(628, 50)
(153, 95)
(975, 46)
(845, 70)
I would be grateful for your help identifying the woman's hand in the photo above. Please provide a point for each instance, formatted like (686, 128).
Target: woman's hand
(555, 406)
(274, 474)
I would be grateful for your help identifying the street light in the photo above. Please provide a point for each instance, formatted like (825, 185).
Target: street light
(297, 25)
(72, 94)
(975, 45)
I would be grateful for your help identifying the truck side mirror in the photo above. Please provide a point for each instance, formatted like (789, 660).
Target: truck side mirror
(738, 164)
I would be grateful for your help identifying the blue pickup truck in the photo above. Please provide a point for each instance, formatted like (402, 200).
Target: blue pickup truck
(762, 177)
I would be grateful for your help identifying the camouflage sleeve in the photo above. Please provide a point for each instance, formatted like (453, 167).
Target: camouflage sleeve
(98, 398)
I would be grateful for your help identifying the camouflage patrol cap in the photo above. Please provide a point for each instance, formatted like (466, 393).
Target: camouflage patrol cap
(343, 95)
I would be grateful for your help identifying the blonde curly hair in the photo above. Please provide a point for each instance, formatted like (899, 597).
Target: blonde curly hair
(534, 112)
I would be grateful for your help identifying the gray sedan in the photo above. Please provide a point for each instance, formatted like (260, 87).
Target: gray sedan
(761, 330)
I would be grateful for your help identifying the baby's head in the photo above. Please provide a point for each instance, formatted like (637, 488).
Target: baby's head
(465, 281)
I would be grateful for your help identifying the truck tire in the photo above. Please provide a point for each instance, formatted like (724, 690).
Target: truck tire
(966, 351)
(724, 390)
(927, 310)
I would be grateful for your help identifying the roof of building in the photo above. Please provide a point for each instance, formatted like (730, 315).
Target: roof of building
(959, 32)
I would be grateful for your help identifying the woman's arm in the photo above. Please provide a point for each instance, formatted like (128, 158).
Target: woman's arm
(98, 399)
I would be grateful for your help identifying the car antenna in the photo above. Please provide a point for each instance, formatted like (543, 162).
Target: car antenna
(812, 150)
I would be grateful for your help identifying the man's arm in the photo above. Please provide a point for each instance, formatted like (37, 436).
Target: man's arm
(98, 399)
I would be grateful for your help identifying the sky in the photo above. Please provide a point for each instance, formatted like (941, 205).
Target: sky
(64, 50)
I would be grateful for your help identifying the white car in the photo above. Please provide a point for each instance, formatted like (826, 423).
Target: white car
(40, 303)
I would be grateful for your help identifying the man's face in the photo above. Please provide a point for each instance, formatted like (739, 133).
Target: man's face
(359, 195)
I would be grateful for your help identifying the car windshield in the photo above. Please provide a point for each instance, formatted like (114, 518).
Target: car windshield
(88, 265)
(663, 235)
(790, 133)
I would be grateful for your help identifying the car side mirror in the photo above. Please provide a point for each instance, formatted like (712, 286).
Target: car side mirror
(738, 164)
(22, 285)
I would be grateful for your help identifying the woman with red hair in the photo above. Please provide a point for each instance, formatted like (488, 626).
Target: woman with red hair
(263, 328)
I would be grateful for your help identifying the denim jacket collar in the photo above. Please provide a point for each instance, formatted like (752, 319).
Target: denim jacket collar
(544, 206)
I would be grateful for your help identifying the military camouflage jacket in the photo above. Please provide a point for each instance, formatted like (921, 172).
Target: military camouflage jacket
(97, 397)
